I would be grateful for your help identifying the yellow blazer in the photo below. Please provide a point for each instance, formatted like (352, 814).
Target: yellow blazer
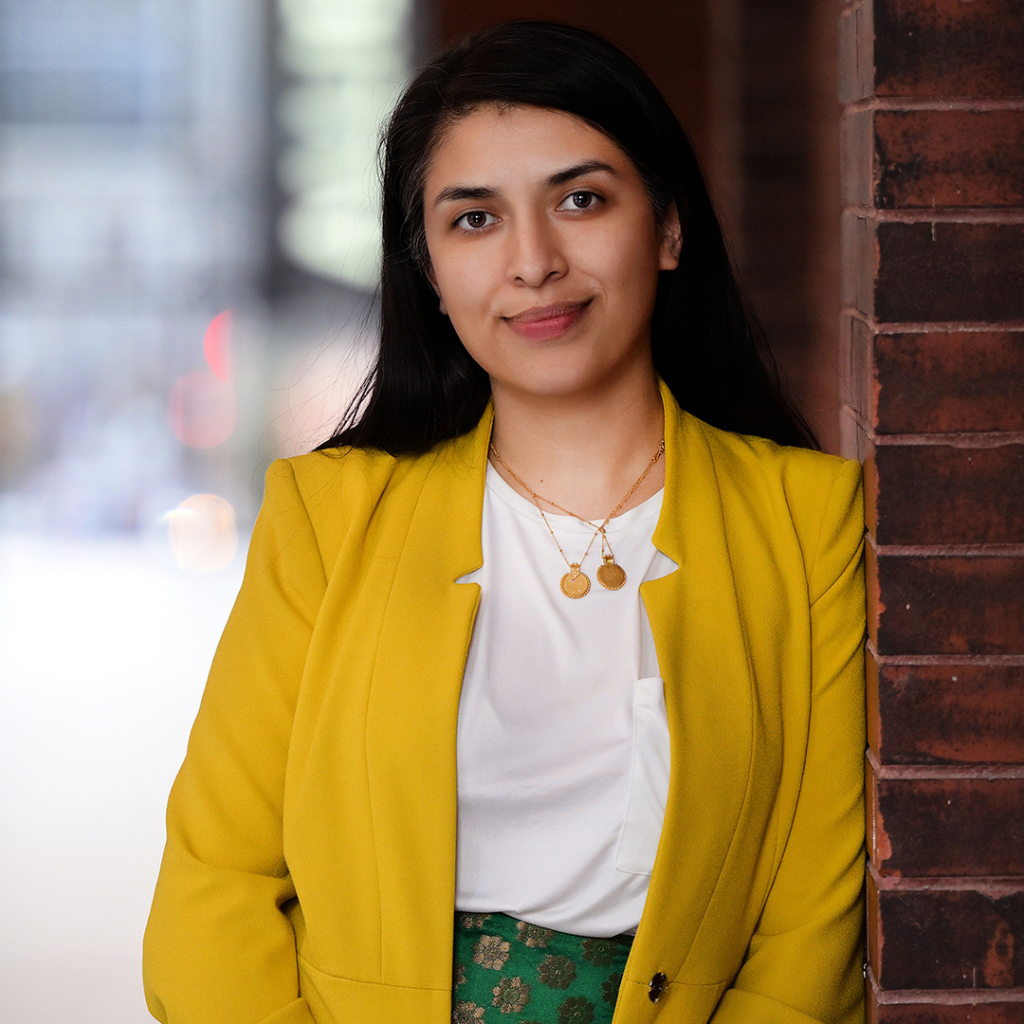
(309, 874)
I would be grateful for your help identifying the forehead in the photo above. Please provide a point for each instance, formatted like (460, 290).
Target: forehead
(496, 146)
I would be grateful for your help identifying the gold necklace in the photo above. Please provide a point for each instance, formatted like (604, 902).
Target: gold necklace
(576, 583)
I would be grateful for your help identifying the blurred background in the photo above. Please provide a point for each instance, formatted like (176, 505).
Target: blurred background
(187, 263)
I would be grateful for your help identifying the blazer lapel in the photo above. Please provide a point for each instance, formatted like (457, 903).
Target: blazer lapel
(702, 654)
(413, 709)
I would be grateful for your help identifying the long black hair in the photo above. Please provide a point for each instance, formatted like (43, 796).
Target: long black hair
(706, 344)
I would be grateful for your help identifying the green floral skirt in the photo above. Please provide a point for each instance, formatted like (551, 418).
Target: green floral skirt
(510, 972)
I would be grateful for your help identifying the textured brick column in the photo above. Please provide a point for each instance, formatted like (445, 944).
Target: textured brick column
(933, 237)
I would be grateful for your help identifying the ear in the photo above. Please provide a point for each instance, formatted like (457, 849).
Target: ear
(432, 279)
(671, 240)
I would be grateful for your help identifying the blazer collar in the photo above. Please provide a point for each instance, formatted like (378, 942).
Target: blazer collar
(454, 491)
(685, 477)
(456, 485)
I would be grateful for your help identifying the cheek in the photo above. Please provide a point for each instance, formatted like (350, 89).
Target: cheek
(627, 258)
(464, 286)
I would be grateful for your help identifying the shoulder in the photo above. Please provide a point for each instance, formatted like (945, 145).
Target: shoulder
(795, 467)
(340, 491)
(322, 476)
(803, 479)
(333, 486)
(815, 495)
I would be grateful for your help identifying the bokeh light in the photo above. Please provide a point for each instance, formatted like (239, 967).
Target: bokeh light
(203, 533)
(344, 61)
(202, 409)
(217, 345)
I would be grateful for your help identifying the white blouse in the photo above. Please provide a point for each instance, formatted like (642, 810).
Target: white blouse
(563, 747)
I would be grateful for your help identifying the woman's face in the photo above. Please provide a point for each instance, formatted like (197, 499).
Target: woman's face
(544, 250)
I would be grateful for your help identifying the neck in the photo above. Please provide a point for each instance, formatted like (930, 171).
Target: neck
(583, 452)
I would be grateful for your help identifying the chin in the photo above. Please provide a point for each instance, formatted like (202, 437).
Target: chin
(567, 383)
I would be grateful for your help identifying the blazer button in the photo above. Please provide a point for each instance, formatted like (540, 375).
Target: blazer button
(656, 987)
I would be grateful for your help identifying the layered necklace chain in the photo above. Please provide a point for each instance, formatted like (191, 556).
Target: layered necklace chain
(576, 583)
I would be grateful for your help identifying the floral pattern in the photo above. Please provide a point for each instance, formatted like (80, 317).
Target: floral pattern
(611, 988)
(506, 971)
(473, 920)
(467, 1013)
(600, 952)
(491, 952)
(533, 935)
(576, 1011)
(557, 971)
(511, 995)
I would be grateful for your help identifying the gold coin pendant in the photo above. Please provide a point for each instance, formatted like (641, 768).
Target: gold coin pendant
(575, 583)
(610, 575)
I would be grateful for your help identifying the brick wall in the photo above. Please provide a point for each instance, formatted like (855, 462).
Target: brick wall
(933, 338)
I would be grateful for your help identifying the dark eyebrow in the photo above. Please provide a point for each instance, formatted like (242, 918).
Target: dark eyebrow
(457, 193)
(460, 193)
(578, 170)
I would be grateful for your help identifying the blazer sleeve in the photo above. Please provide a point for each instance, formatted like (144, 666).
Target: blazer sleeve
(219, 948)
(805, 960)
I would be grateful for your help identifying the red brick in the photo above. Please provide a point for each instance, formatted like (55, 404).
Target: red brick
(941, 494)
(871, 488)
(949, 48)
(942, 714)
(854, 439)
(948, 158)
(949, 271)
(945, 939)
(946, 605)
(857, 158)
(948, 382)
(855, 357)
(930, 1013)
(856, 53)
(946, 827)
(859, 248)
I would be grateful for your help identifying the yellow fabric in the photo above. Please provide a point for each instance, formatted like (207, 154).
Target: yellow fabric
(309, 869)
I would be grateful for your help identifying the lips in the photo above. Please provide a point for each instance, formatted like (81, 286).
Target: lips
(545, 322)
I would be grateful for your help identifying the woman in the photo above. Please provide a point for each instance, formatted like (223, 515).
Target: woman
(529, 660)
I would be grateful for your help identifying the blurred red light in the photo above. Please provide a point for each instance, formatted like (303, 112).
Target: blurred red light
(217, 344)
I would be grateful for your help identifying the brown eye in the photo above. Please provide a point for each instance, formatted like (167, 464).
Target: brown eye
(581, 200)
(474, 220)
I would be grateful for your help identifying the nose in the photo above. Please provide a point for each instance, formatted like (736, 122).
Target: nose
(536, 254)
